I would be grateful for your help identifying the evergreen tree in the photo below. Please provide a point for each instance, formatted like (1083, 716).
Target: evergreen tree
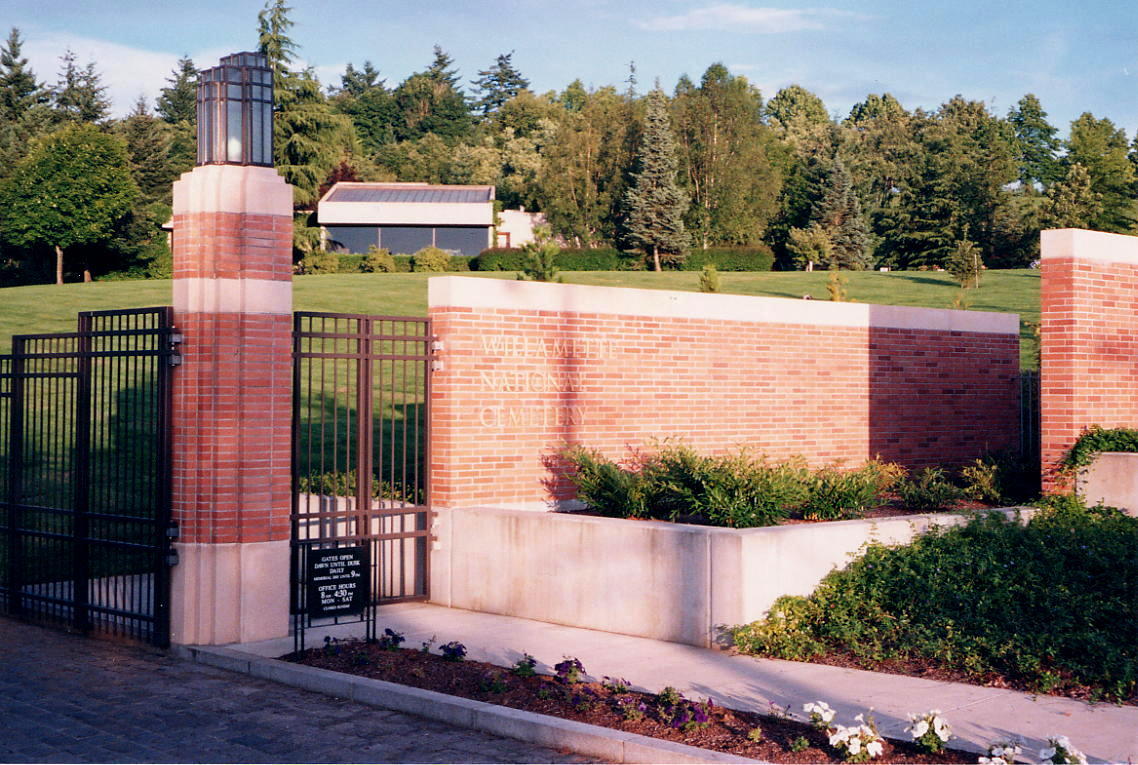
(431, 102)
(309, 138)
(273, 41)
(1036, 144)
(71, 189)
(80, 95)
(364, 98)
(1072, 202)
(177, 102)
(498, 84)
(355, 82)
(965, 264)
(839, 213)
(1101, 148)
(19, 91)
(811, 246)
(654, 203)
(147, 142)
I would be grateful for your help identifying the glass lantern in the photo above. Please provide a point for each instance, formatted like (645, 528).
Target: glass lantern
(235, 112)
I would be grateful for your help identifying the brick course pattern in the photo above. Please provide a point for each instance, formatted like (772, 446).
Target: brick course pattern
(232, 408)
(518, 384)
(1089, 350)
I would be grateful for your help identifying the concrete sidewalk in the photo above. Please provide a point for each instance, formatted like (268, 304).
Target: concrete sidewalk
(1106, 733)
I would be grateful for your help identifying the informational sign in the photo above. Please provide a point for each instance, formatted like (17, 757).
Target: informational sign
(337, 582)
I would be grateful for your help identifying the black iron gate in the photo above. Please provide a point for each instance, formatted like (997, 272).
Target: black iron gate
(85, 526)
(360, 461)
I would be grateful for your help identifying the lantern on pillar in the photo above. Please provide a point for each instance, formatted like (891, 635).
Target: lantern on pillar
(235, 112)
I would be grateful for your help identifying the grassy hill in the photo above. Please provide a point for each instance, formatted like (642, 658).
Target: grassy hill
(48, 308)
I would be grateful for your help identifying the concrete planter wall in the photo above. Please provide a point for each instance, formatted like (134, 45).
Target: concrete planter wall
(645, 578)
(1112, 479)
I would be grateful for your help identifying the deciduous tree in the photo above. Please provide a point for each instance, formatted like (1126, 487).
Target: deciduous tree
(71, 189)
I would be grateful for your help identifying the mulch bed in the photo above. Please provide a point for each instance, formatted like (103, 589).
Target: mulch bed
(597, 703)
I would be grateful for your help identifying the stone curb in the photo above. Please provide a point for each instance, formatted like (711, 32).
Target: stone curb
(590, 740)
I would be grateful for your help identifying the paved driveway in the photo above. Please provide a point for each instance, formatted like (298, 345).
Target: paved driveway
(70, 699)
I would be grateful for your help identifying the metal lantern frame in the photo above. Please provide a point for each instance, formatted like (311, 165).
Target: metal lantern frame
(235, 112)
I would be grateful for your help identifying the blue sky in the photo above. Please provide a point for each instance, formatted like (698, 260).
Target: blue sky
(1075, 56)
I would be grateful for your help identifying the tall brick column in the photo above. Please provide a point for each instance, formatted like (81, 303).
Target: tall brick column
(1089, 367)
(232, 404)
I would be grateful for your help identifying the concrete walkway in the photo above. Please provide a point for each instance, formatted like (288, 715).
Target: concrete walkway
(70, 699)
(1106, 733)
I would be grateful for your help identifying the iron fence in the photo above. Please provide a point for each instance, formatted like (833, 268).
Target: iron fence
(360, 457)
(85, 527)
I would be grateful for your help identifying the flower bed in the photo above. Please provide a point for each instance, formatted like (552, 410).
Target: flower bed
(571, 694)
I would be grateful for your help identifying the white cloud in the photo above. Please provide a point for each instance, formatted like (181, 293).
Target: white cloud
(741, 18)
(126, 72)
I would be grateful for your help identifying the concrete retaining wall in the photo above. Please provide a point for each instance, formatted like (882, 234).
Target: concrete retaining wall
(650, 579)
(1112, 480)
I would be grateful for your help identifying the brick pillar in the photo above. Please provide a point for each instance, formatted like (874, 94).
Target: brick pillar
(1089, 365)
(232, 413)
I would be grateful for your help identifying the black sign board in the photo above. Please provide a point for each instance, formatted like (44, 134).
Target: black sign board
(337, 582)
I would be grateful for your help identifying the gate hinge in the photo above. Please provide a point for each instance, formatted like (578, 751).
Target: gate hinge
(436, 348)
(173, 532)
(172, 558)
(175, 358)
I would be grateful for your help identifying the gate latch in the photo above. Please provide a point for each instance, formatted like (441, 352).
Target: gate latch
(436, 348)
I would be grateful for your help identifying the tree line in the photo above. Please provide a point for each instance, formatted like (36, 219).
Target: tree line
(712, 163)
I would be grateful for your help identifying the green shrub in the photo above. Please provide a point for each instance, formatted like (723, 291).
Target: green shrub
(595, 259)
(540, 258)
(755, 258)
(402, 263)
(982, 481)
(430, 260)
(319, 262)
(1050, 604)
(604, 486)
(499, 259)
(839, 494)
(349, 263)
(928, 490)
(709, 279)
(377, 261)
(1096, 439)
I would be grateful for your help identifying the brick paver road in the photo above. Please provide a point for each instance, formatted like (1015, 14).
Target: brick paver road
(70, 699)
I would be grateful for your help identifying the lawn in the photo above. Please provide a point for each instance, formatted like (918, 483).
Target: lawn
(48, 308)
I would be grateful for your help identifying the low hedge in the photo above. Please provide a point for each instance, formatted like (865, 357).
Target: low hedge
(350, 264)
(569, 259)
(757, 258)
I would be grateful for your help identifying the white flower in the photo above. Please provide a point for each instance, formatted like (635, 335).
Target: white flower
(1060, 750)
(819, 711)
(874, 748)
(1046, 753)
(1002, 752)
(919, 728)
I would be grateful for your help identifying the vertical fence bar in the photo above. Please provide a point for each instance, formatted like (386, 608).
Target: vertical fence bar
(15, 477)
(81, 481)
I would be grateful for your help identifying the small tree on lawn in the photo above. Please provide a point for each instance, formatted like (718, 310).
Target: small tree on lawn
(965, 264)
(540, 263)
(655, 204)
(71, 189)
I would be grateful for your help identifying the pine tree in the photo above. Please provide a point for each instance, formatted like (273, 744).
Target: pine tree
(1101, 148)
(80, 95)
(19, 91)
(965, 264)
(498, 84)
(1036, 144)
(148, 146)
(839, 213)
(431, 102)
(355, 82)
(273, 41)
(1072, 202)
(177, 102)
(654, 203)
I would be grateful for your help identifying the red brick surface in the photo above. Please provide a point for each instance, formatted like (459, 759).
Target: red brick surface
(518, 384)
(232, 417)
(1089, 352)
(232, 246)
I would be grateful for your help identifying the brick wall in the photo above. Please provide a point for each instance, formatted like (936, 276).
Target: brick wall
(232, 402)
(1089, 304)
(528, 367)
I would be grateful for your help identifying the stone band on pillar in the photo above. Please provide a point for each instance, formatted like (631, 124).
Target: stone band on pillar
(232, 404)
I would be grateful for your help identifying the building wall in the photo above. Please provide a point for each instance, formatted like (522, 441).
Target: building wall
(1088, 300)
(528, 367)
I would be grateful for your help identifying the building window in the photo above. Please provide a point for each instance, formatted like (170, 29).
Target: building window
(352, 238)
(405, 240)
(463, 240)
